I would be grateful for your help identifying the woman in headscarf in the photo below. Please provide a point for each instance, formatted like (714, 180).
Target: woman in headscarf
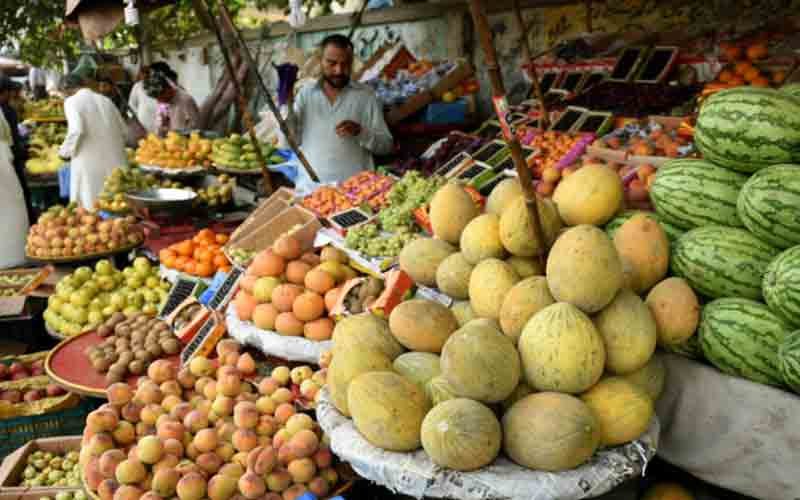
(95, 141)
(176, 108)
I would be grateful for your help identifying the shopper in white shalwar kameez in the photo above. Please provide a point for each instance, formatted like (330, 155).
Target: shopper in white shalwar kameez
(13, 214)
(95, 142)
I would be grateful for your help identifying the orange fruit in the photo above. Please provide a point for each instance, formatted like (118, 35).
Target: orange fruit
(778, 77)
(742, 67)
(204, 269)
(751, 74)
(190, 267)
(725, 75)
(222, 239)
(185, 248)
(757, 51)
(221, 261)
(731, 52)
(180, 263)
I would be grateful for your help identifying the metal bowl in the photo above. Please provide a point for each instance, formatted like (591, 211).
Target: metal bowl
(164, 202)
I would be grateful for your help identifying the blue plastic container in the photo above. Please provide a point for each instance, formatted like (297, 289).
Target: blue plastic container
(445, 113)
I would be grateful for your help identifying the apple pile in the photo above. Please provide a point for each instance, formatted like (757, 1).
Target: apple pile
(291, 292)
(18, 370)
(86, 298)
(206, 431)
(63, 232)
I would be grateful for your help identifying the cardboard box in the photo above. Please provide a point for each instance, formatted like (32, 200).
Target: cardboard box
(266, 210)
(265, 235)
(14, 465)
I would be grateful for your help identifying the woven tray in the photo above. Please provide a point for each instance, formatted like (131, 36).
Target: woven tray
(84, 258)
(236, 171)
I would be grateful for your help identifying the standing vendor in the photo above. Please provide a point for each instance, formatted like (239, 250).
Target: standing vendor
(142, 104)
(13, 209)
(176, 108)
(95, 141)
(19, 154)
(338, 123)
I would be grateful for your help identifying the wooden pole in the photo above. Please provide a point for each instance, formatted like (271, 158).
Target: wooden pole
(240, 100)
(270, 103)
(478, 10)
(357, 20)
(531, 68)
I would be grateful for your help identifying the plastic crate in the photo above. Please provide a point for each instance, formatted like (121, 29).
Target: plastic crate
(16, 432)
(444, 113)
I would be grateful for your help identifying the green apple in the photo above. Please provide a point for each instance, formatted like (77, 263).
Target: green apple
(136, 300)
(96, 305)
(91, 288)
(118, 301)
(166, 285)
(149, 295)
(119, 278)
(106, 283)
(81, 316)
(134, 282)
(104, 267)
(141, 264)
(82, 274)
(128, 272)
(79, 298)
(130, 311)
(152, 282)
(150, 309)
(109, 311)
(95, 317)
(55, 303)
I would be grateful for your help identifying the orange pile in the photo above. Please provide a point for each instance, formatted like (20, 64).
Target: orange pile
(741, 70)
(200, 256)
(552, 147)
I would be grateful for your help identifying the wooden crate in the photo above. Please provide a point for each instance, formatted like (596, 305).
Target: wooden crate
(14, 465)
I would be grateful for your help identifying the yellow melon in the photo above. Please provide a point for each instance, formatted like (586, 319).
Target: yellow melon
(502, 195)
(450, 211)
(516, 228)
(650, 377)
(676, 310)
(452, 276)
(461, 434)
(485, 322)
(642, 245)
(421, 257)
(583, 268)
(463, 312)
(388, 410)
(550, 431)
(561, 350)
(623, 410)
(365, 331)
(526, 266)
(422, 325)
(522, 390)
(525, 299)
(629, 333)
(480, 363)
(439, 390)
(591, 195)
(347, 365)
(481, 239)
(489, 283)
(418, 367)
(667, 491)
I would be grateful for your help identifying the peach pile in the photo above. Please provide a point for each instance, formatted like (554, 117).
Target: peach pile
(207, 431)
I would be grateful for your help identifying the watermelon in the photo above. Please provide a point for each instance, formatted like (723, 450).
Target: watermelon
(792, 89)
(769, 205)
(741, 337)
(789, 360)
(720, 261)
(694, 193)
(672, 232)
(748, 128)
(781, 285)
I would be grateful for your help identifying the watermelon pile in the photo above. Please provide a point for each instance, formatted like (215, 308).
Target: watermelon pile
(734, 218)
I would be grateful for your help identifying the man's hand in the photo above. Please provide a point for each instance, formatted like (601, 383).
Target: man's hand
(348, 128)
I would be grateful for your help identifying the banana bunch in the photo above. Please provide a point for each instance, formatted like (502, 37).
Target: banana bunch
(44, 160)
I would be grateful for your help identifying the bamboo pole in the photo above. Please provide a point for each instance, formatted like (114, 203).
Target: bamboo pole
(530, 67)
(270, 103)
(478, 10)
(240, 100)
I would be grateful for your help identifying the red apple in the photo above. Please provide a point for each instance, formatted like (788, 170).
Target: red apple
(54, 390)
(3, 371)
(33, 395)
(36, 371)
(20, 375)
(16, 367)
(12, 396)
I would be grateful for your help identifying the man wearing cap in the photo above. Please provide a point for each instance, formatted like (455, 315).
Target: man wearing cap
(95, 142)
(176, 108)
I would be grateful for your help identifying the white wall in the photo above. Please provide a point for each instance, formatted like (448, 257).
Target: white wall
(193, 75)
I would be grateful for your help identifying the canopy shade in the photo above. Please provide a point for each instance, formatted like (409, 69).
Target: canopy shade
(97, 18)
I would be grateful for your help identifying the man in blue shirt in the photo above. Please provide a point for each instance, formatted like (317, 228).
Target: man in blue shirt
(338, 122)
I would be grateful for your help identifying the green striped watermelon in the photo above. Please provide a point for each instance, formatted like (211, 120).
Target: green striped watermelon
(741, 337)
(781, 285)
(769, 205)
(689, 348)
(720, 261)
(672, 232)
(694, 193)
(789, 360)
(791, 89)
(747, 128)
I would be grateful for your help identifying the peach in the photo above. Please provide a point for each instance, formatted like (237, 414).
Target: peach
(222, 487)
(195, 420)
(225, 346)
(209, 462)
(281, 374)
(165, 481)
(150, 449)
(299, 422)
(108, 462)
(246, 364)
(128, 492)
(200, 384)
(323, 457)
(268, 386)
(210, 390)
(150, 495)
(226, 430)
(102, 420)
(143, 429)
(206, 440)
(319, 487)
(151, 412)
(262, 460)
(149, 393)
(225, 451)
(266, 405)
(230, 384)
(131, 411)
(185, 378)
(251, 485)
(186, 467)
(223, 405)
(245, 415)
(100, 443)
(302, 470)
(171, 387)
(230, 359)
(304, 444)
(233, 470)
(240, 458)
(278, 480)
(192, 452)
(170, 429)
(244, 439)
(284, 412)
(272, 496)
(300, 373)
(309, 389)
(294, 492)
(91, 472)
(267, 425)
(203, 405)
(282, 395)
(162, 370)
(170, 401)
(130, 471)
(169, 461)
(132, 452)
(200, 366)
(106, 489)
(119, 393)
(280, 438)
(192, 486)
(286, 454)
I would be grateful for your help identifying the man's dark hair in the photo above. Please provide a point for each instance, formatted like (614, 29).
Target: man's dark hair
(338, 41)
(164, 69)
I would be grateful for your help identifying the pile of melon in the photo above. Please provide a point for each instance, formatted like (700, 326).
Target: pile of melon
(291, 292)
(545, 363)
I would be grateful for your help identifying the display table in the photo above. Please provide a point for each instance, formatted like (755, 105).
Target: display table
(729, 431)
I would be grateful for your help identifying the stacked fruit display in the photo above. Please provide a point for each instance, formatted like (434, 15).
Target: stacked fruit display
(238, 153)
(175, 151)
(48, 469)
(742, 68)
(208, 430)
(291, 292)
(70, 232)
(43, 151)
(86, 298)
(217, 195)
(18, 370)
(128, 180)
(367, 187)
(650, 139)
(49, 109)
(199, 256)
(326, 201)
(453, 145)
(570, 344)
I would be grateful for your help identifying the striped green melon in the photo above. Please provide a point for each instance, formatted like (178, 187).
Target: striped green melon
(782, 285)
(769, 205)
(672, 231)
(791, 89)
(694, 193)
(690, 348)
(747, 128)
(741, 337)
(789, 360)
(720, 261)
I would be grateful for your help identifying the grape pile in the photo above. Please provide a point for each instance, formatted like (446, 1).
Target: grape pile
(368, 240)
(455, 143)
(411, 192)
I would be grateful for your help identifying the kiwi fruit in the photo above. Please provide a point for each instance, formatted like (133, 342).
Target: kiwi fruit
(113, 377)
(104, 330)
(136, 367)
